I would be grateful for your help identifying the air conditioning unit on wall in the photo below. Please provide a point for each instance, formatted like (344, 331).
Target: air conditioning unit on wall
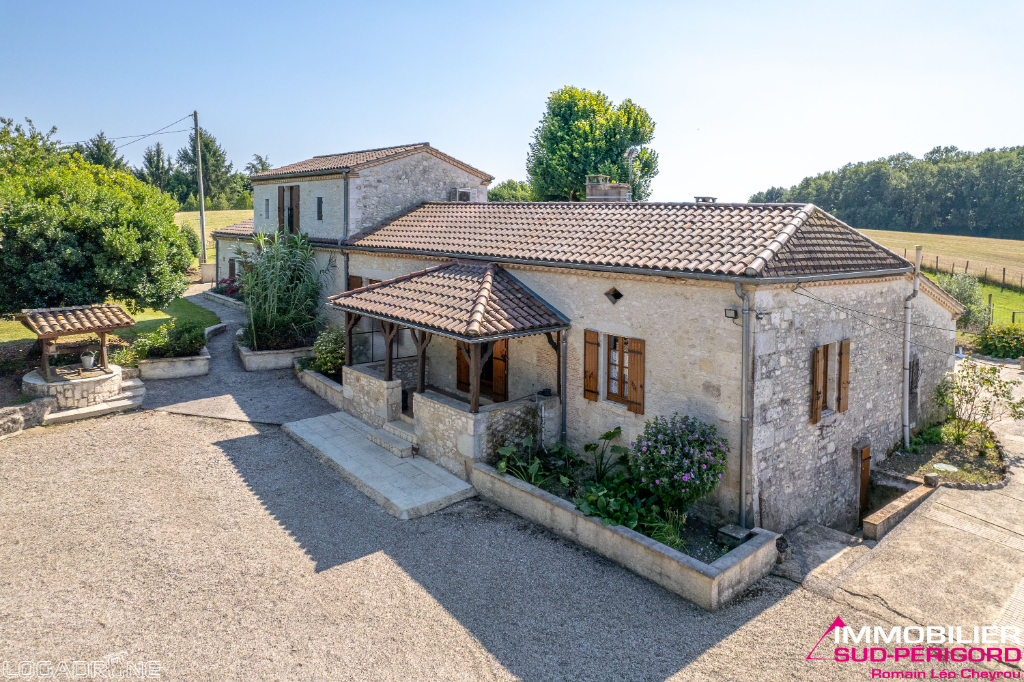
(462, 194)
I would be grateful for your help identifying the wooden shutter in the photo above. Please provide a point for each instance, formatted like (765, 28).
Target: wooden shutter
(591, 348)
(817, 382)
(280, 208)
(295, 209)
(461, 367)
(354, 282)
(231, 268)
(635, 399)
(843, 401)
(499, 374)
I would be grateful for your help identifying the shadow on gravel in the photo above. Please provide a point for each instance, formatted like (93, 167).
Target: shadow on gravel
(545, 607)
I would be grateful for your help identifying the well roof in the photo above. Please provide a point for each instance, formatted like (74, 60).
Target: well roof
(48, 323)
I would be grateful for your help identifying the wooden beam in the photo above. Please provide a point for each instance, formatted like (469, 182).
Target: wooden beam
(390, 331)
(422, 339)
(475, 366)
(351, 320)
(103, 352)
(44, 362)
(557, 346)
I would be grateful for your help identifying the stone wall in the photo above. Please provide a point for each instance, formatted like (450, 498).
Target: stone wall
(75, 393)
(809, 472)
(510, 423)
(226, 249)
(369, 398)
(14, 419)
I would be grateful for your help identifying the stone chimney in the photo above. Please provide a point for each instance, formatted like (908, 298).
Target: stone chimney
(599, 189)
(706, 200)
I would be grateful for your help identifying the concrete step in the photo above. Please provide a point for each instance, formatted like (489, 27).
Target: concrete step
(122, 403)
(403, 430)
(131, 384)
(398, 447)
(407, 419)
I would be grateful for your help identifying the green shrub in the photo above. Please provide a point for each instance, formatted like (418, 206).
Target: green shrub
(965, 288)
(976, 395)
(283, 291)
(680, 459)
(191, 238)
(168, 341)
(607, 457)
(616, 505)
(1005, 341)
(329, 351)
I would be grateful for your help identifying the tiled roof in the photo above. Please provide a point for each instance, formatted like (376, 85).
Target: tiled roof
(355, 161)
(754, 240)
(467, 299)
(81, 319)
(242, 229)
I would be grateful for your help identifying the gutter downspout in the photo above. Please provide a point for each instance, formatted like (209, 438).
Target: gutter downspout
(565, 377)
(744, 389)
(344, 233)
(906, 346)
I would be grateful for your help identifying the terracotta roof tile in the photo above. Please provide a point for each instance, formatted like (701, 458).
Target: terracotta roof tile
(82, 319)
(474, 300)
(755, 240)
(242, 229)
(355, 161)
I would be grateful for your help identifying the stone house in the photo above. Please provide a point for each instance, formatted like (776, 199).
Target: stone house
(777, 323)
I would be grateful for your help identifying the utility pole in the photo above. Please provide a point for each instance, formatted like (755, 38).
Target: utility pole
(202, 201)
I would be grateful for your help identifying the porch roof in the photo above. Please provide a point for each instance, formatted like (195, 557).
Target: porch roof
(471, 301)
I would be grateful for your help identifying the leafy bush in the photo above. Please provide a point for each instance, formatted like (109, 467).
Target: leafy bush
(523, 463)
(168, 341)
(976, 395)
(965, 288)
(613, 505)
(681, 459)
(228, 287)
(283, 292)
(604, 464)
(329, 351)
(1005, 341)
(191, 238)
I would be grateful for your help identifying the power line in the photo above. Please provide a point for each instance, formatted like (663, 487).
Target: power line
(155, 132)
(125, 137)
(861, 312)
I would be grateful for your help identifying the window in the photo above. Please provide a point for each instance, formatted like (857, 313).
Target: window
(618, 369)
(830, 383)
(266, 209)
(319, 208)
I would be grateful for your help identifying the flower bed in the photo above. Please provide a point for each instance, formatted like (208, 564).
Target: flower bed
(255, 361)
(707, 585)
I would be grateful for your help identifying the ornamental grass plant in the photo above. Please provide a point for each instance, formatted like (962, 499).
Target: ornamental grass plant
(283, 290)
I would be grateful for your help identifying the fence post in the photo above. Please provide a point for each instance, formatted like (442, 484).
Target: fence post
(967, 267)
(936, 265)
(991, 312)
(1004, 280)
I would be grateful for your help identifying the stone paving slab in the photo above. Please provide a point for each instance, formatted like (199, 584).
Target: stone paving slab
(406, 487)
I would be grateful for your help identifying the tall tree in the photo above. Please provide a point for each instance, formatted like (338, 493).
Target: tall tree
(258, 164)
(102, 152)
(157, 167)
(26, 148)
(216, 167)
(510, 190)
(584, 133)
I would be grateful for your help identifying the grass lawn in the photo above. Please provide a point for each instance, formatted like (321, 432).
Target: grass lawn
(215, 220)
(980, 252)
(147, 321)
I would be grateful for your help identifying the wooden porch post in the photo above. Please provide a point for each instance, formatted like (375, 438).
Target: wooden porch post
(474, 377)
(103, 352)
(557, 346)
(351, 320)
(44, 361)
(390, 331)
(422, 339)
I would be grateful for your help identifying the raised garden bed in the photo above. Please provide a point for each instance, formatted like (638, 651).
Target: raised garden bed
(224, 300)
(707, 585)
(880, 522)
(255, 361)
(177, 368)
(324, 386)
(972, 467)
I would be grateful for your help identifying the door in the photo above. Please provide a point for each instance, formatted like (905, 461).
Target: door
(493, 373)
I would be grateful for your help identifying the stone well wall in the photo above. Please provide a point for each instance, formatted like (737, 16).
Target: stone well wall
(75, 393)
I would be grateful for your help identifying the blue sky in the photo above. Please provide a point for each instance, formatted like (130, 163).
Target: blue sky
(745, 95)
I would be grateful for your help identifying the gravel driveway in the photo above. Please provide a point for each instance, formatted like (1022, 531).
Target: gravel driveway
(222, 550)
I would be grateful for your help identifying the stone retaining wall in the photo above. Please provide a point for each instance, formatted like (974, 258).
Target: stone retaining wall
(367, 397)
(74, 393)
(14, 419)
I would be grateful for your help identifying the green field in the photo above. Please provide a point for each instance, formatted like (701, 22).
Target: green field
(215, 220)
(147, 321)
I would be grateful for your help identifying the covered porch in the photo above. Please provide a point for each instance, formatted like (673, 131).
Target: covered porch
(472, 312)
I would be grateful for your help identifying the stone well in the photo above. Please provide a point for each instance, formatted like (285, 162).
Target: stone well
(92, 389)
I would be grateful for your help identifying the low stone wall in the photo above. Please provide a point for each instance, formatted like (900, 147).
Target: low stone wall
(75, 393)
(224, 300)
(403, 370)
(257, 360)
(707, 585)
(886, 518)
(177, 368)
(325, 387)
(449, 435)
(14, 419)
(367, 397)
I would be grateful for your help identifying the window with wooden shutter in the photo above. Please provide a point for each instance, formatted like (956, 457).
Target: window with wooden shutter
(231, 268)
(295, 210)
(280, 208)
(461, 366)
(591, 353)
(499, 371)
(617, 387)
(843, 398)
(354, 282)
(635, 397)
(818, 364)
